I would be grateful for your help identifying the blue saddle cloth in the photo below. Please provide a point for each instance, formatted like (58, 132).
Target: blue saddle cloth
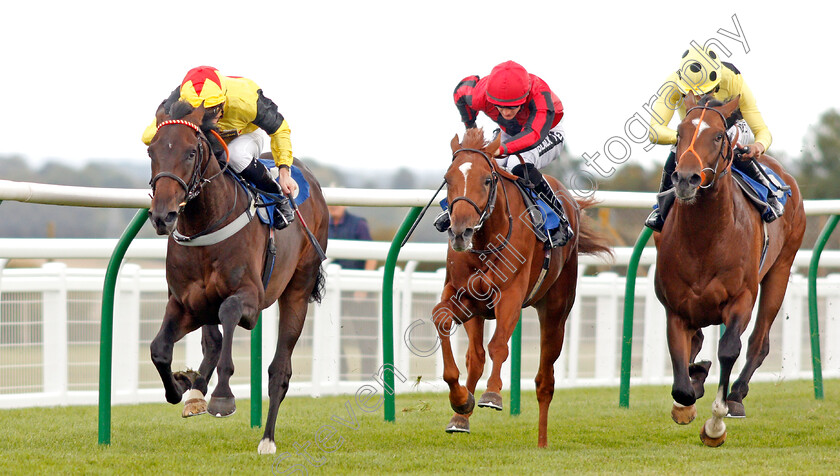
(303, 192)
(550, 220)
(761, 192)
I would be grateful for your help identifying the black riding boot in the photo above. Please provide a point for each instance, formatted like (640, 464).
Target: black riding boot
(258, 174)
(656, 220)
(563, 233)
(751, 168)
(442, 221)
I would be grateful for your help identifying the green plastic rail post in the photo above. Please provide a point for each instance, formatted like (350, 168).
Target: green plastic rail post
(629, 303)
(256, 374)
(388, 314)
(106, 333)
(816, 360)
(516, 368)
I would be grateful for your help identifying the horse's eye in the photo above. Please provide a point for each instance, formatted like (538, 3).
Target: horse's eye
(192, 154)
(488, 181)
(719, 137)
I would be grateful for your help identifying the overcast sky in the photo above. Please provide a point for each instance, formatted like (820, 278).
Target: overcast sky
(369, 84)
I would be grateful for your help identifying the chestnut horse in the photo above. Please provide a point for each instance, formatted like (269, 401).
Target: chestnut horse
(711, 259)
(494, 268)
(221, 282)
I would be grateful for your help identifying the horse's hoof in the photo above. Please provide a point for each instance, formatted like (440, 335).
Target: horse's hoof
(490, 400)
(222, 406)
(458, 424)
(708, 440)
(683, 415)
(736, 409)
(266, 447)
(467, 407)
(195, 404)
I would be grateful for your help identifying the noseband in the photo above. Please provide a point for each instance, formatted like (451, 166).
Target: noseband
(728, 146)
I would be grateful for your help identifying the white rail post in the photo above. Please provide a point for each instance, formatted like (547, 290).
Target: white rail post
(606, 327)
(56, 359)
(127, 334)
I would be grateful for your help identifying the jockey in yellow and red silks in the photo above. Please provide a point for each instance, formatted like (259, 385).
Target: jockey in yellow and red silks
(242, 116)
(703, 72)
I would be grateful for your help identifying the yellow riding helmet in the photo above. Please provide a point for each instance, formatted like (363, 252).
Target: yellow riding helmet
(203, 84)
(700, 71)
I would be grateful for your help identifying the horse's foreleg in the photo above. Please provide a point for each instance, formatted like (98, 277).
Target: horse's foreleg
(460, 398)
(713, 432)
(171, 331)
(211, 345)
(679, 346)
(475, 357)
(507, 315)
(222, 403)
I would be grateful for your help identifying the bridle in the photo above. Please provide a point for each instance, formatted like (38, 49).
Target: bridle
(726, 151)
(197, 178)
(484, 214)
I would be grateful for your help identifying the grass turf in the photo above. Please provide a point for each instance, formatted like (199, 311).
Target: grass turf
(787, 431)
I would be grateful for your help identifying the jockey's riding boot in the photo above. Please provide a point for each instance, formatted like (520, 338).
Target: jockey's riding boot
(563, 233)
(442, 221)
(258, 174)
(656, 220)
(751, 168)
(532, 177)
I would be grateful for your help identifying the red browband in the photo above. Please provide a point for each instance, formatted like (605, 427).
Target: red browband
(179, 121)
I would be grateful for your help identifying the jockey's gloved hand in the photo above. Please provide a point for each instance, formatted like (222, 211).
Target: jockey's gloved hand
(741, 151)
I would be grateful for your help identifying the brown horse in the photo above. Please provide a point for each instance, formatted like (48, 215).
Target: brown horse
(711, 258)
(221, 282)
(494, 268)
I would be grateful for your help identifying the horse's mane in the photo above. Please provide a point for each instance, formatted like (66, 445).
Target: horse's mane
(708, 100)
(474, 139)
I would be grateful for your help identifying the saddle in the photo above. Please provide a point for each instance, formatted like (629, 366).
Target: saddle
(758, 193)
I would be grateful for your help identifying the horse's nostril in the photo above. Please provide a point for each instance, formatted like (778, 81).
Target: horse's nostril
(695, 180)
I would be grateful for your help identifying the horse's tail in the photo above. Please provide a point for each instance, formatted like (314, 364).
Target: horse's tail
(590, 241)
(317, 293)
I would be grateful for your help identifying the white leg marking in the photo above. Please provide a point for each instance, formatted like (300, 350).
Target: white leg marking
(267, 447)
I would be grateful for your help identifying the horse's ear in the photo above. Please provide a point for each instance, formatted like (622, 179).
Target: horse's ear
(160, 114)
(690, 100)
(492, 147)
(730, 107)
(455, 144)
(197, 115)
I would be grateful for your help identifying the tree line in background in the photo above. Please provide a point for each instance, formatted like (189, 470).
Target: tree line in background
(817, 170)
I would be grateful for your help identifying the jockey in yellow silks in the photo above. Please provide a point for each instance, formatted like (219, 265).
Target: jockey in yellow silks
(703, 72)
(242, 116)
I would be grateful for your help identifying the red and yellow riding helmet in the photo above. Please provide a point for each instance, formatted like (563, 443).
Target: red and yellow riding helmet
(203, 84)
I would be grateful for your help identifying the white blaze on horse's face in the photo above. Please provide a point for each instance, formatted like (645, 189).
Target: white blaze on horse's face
(464, 168)
(701, 127)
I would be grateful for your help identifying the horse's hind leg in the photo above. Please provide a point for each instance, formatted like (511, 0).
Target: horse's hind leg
(172, 329)
(698, 371)
(552, 333)
(211, 346)
(293, 306)
(772, 295)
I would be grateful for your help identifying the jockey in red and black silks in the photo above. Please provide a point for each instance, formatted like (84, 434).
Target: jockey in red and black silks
(528, 114)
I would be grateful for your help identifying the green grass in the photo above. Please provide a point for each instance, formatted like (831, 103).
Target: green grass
(787, 431)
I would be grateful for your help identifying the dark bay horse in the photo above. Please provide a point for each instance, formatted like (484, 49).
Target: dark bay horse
(494, 268)
(711, 261)
(222, 282)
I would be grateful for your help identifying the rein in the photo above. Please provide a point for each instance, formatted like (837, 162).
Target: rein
(489, 206)
(728, 145)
